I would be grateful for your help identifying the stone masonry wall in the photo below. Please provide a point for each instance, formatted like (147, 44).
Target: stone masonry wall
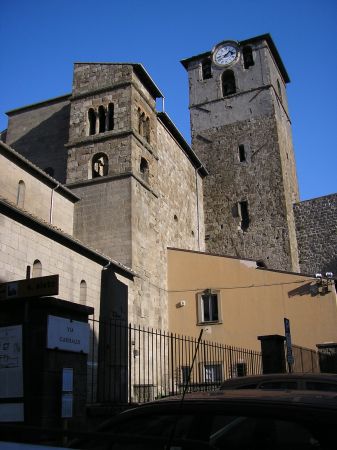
(39, 133)
(258, 180)
(167, 215)
(316, 225)
(21, 246)
(38, 196)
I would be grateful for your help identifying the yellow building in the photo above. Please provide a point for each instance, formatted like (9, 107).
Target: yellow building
(235, 301)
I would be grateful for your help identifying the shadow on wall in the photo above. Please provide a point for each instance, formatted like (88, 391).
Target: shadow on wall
(113, 339)
(43, 145)
(306, 289)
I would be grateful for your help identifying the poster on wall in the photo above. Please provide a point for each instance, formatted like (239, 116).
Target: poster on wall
(11, 373)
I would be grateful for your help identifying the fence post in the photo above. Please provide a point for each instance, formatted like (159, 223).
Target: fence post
(172, 365)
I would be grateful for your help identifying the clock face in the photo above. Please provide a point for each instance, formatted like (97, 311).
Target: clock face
(225, 54)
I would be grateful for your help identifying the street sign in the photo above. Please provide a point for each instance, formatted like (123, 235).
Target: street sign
(30, 287)
(290, 357)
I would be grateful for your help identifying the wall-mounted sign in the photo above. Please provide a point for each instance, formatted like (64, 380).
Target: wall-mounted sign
(31, 287)
(11, 374)
(68, 335)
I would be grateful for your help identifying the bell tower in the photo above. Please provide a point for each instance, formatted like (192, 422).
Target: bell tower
(241, 130)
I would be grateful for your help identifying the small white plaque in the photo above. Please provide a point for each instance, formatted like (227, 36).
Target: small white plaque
(68, 335)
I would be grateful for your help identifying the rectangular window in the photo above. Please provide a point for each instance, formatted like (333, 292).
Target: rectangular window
(208, 306)
(185, 371)
(212, 373)
(242, 153)
(243, 213)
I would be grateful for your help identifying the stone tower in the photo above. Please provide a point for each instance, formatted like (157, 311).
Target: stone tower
(125, 161)
(242, 133)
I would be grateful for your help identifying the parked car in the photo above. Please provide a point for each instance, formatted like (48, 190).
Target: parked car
(231, 420)
(302, 381)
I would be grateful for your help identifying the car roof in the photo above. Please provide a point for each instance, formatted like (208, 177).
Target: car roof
(282, 376)
(292, 396)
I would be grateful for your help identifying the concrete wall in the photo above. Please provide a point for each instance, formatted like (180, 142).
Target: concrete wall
(253, 302)
(38, 195)
(39, 133)
(316, 225)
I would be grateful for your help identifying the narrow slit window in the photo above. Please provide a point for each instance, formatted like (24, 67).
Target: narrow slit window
(279, 90)
(101, 119)
(243, 212)
(83, 292)
(242, 153)
(37, 269)
(206, 68)
(228, 83)
(144, 167)
(92, 121)
(111, 118)
(20, 201)
(248, 59)
(147, 130)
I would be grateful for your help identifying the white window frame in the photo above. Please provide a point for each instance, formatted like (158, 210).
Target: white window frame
(201, 312)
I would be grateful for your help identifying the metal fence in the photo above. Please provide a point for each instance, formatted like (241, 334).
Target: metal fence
(306, 360)
(139, 364)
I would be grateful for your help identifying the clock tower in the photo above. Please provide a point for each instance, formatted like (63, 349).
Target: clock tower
(241, 130)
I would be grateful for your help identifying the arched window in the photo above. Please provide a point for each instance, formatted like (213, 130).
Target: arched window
(37, 269)
(49, 171)
(100, 165)
(83, 292)
(206, 68)
(228, 83)
(144, 168)
(111, 120)
(101, 119)
(20, 201)
(248, 59)
(279, 90)
(92, 121)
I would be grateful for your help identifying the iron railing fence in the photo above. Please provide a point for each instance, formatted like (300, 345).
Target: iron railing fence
(139, 364)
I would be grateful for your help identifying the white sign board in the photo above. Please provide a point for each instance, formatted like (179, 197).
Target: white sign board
(11, 374)
(68, 335)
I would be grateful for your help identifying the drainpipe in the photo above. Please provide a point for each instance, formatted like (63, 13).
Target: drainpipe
(52, 203)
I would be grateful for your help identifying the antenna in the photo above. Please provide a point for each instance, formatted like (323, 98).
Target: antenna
(185, 389)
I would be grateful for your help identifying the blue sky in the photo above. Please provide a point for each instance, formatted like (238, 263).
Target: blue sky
(40, 41)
